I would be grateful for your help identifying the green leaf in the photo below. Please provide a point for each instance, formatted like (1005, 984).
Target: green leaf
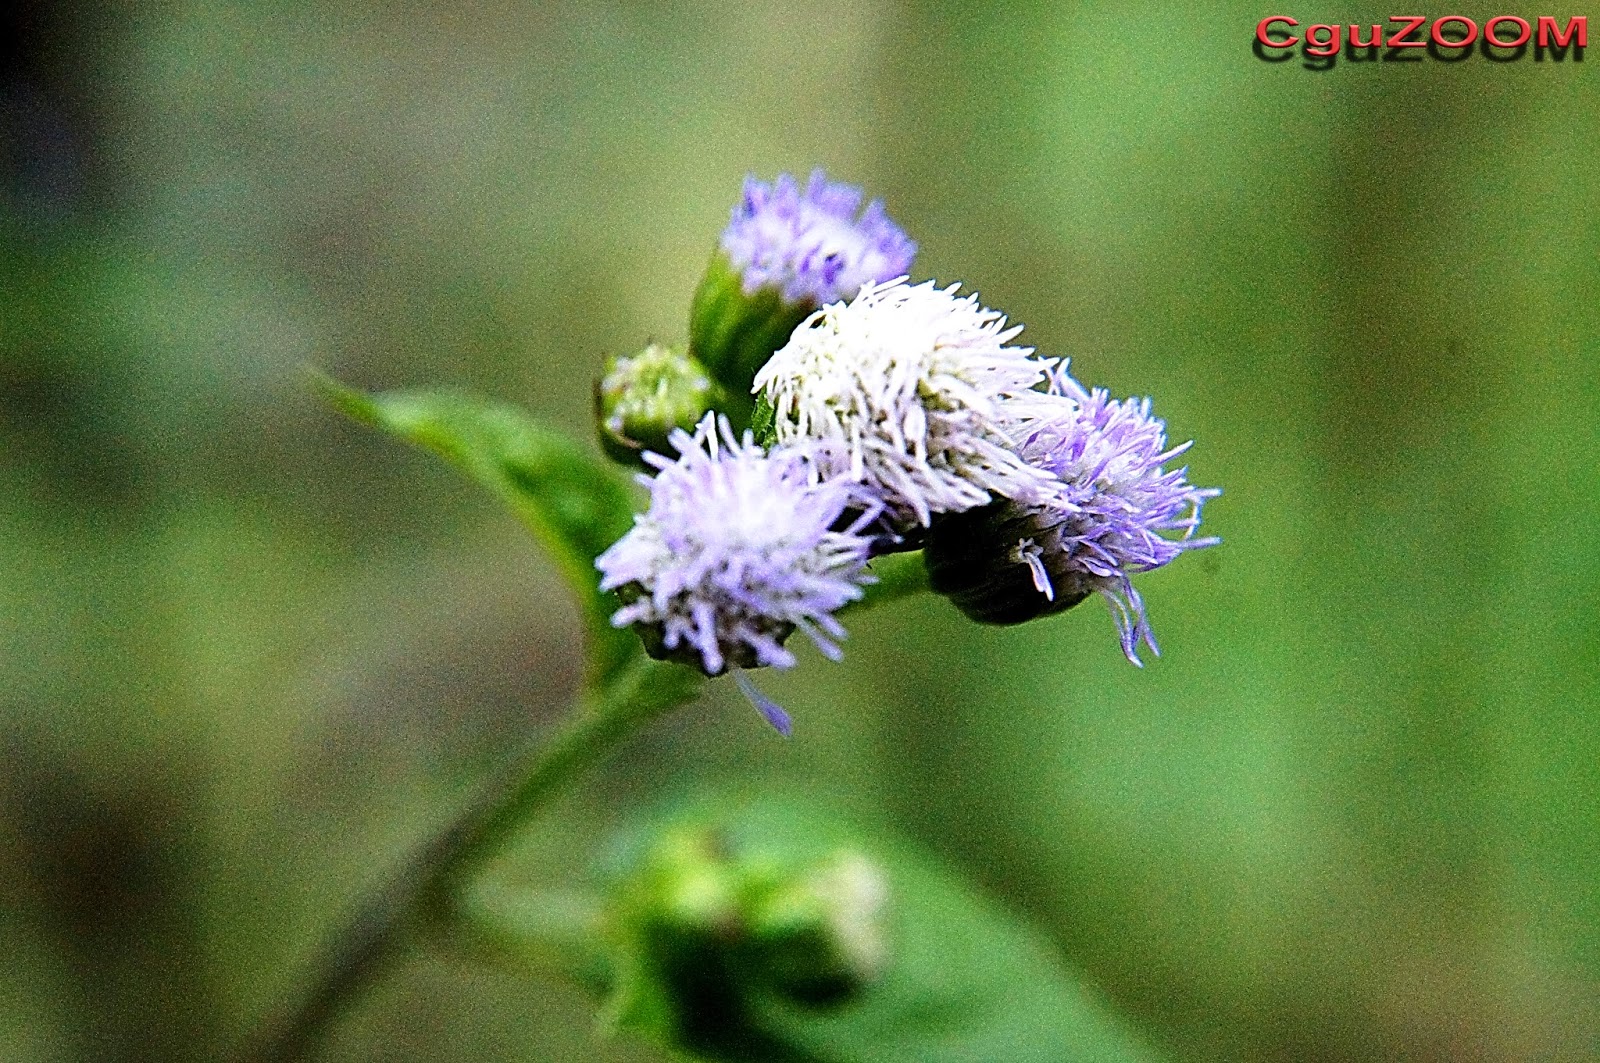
(960, 980)
(575, 505)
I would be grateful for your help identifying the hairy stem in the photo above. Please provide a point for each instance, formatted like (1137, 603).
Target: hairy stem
(422, 893)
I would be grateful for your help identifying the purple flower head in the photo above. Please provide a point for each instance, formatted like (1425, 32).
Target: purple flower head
(737, 550)
(812, 244)
(1115, 499)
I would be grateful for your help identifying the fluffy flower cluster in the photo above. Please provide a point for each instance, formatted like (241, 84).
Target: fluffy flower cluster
(930, 407)
(1116, 498)
(813, 244)
(737, 550)
(920, 389)
(898, 415)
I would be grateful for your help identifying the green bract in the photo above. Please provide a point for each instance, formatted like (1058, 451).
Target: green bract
(734, 334)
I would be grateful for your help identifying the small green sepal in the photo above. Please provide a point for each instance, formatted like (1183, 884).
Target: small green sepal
(733, 333)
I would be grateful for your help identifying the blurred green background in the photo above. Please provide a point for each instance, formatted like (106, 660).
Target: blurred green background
(251, 654)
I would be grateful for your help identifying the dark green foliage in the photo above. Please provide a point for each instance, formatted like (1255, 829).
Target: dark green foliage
(763, 421)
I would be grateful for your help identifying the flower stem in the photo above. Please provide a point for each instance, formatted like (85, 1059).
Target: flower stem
(422, 893)
(645, 689)
(523, 927)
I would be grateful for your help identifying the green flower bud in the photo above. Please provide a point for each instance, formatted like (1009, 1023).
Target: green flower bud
(733, 333)
(643, 397)
(709, 933)
(975, 558)
(820, 935)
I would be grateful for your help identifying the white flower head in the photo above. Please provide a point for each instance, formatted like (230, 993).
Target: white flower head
(916, 390)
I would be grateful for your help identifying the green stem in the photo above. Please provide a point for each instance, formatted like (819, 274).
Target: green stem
(526, 927)
(645, 690)
(422, 893)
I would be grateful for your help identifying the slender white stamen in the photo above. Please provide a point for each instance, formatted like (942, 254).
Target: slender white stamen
(1031, 554)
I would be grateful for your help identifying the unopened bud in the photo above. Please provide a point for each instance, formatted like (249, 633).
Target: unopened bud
(734, 332)
(821, 933)
(643, 397)
(708, 924)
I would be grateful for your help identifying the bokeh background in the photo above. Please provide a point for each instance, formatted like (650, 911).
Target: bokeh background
(251, 654)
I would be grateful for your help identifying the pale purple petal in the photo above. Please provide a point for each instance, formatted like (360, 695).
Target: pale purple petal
(764, 705)
(1115, 499)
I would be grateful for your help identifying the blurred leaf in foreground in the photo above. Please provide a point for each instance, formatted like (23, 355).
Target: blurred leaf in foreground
(768, 930)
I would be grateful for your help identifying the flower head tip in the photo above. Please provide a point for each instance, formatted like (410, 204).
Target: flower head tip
(814, 244)
(1114, 504)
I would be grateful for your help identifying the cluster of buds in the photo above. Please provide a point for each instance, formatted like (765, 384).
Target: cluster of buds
(707, 925)
(891, 415)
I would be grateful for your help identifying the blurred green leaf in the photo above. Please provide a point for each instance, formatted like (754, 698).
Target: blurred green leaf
(575, 505)
(959, 979)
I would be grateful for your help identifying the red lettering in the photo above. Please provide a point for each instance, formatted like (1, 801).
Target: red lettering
(1357, 42)
(1322, 40)
(1444, 42)
(1265, 24)
(1329, 45)
(1521, 24)
(1398, 38)
(1576, 24)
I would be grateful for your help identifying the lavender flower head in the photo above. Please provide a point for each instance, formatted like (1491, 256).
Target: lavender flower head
(737, 550)
(1117, 499)
(918, 388)
(812, 244)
